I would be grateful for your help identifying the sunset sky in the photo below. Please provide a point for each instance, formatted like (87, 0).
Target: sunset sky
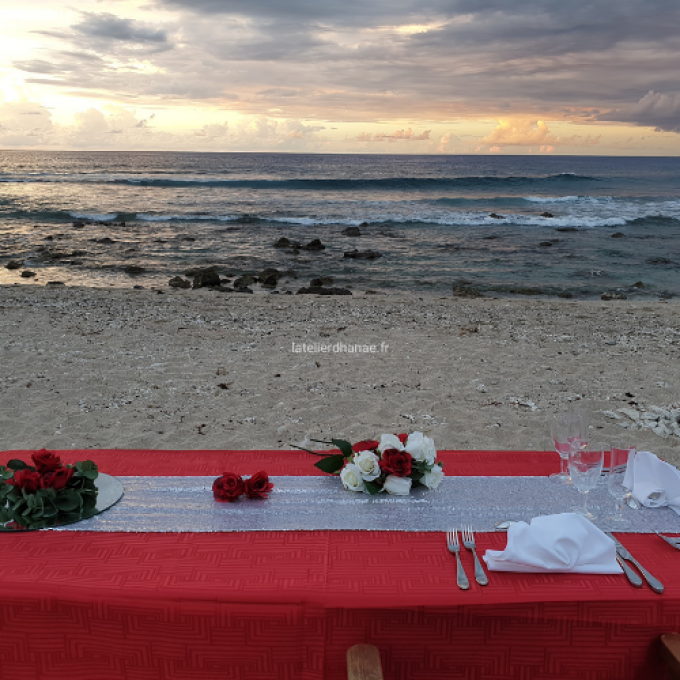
(378, 76)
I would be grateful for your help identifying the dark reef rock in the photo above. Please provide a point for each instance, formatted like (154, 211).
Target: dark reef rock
(497, 217)
(206, 279)
(314, 244)
(179, 282)
(352, 231)
(27, 274)
(547, 214)
(619, 234)
(134, 269)
(14, 264)
(363, 254)
(613, 295)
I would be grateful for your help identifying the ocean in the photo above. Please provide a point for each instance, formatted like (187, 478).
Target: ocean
(500, 225)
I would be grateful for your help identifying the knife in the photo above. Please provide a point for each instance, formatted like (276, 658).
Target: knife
(631, 575)
(654, 583)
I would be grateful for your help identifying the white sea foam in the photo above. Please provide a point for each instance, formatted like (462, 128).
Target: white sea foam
(108, 217)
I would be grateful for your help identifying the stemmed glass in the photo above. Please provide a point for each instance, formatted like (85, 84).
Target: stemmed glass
(568, 431)
(585, 467)
(620, 454)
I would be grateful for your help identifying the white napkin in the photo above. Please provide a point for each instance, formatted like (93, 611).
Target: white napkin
(653, 482)
(556, 543)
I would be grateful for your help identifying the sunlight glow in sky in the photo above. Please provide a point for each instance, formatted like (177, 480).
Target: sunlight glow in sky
(386, 76)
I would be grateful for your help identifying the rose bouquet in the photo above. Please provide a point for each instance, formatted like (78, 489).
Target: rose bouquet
(46, 493)
(394, 464)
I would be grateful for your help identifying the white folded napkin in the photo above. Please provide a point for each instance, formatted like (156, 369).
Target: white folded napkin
(556, 543)
(653, 482)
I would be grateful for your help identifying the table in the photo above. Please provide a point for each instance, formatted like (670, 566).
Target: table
(287, 605)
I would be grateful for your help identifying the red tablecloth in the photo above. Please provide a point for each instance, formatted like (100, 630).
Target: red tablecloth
(287, 605)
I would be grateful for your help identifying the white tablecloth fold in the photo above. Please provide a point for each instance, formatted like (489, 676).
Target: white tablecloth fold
(653, 482)
(556, 543)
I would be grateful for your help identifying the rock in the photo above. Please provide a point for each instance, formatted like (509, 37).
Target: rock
(547, 214)
(352, 231)
(324, 291)
(320, 282)
(566, 230)
(106, 239)
(283, 242)
(198, 271)
(269, 277)
(493, 237)
(630, 413)
(55, 283)
(659, 260)
(134, 269)
(244, 281)
(611, 414)
(27, 274)
(364, 224)
(565, 294)
(363, 254)
(137, 287)
(187, 238)
(206, 279)
(497, 217)
(179, 282)
(613, 295)
(638, 284)
(618, 234)
(315, 244)
(48, 238)
(78, 225)
(245, 289)
(648, 415)
(546, 244)
(466, 291)
(290, 274)
(14, 264)
(661, 430)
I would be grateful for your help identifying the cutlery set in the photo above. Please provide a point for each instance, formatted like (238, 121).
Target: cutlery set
(453, 544)
(623, 556)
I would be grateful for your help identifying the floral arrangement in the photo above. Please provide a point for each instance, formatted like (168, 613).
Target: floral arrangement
(230, 487)
(394, 464)
(46, 493)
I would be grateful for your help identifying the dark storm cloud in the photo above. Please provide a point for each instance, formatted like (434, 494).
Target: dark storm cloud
(110, 27)
(655, 109)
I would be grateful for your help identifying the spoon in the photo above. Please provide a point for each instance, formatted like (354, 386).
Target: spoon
(505, 524)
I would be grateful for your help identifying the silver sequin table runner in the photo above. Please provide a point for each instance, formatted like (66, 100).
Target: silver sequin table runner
(186, 504)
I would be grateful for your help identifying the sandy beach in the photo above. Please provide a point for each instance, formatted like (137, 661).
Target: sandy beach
(97, 368)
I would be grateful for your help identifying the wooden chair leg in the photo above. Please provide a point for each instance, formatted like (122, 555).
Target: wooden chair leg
(363, 663)
(670, 648)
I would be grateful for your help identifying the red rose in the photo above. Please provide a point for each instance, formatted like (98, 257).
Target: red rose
(26, 479)
(228, 488)
(395, 462)
(46, 461)
(402, 438)
(366, 445)
(258, 486)
(57, 479)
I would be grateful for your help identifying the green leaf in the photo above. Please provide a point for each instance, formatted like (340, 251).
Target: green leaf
(17, 464)
(6, 473)
(68, 500)
(344, 446)
(372, 488)
(331, 464)
(416, 476)
(87, 469)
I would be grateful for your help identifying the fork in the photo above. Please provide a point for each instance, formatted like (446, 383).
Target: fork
(469, 543)
(672, 540)
(454, 547)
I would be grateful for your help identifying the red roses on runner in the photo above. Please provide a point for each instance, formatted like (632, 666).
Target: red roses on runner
(230, 487)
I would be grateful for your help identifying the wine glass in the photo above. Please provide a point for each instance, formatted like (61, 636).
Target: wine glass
(578, 427)
(585, 467)
(620, 454)
(560, 429)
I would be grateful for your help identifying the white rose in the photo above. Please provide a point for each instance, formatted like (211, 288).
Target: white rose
(368, 464)
(421, 448)
(433, 478)
(397, 486)
(351, 478)
(390, 441)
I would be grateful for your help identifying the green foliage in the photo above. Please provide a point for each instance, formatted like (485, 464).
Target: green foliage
(331, 464)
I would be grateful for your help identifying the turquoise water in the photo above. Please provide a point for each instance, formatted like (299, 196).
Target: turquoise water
(429, 216)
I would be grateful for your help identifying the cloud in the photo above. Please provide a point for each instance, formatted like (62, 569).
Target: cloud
(399, 135)
(110, 27)
(447, 142)
(24, 124)
(532, 133)
(658, 110)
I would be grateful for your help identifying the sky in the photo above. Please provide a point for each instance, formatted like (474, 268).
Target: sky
(587, 77)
